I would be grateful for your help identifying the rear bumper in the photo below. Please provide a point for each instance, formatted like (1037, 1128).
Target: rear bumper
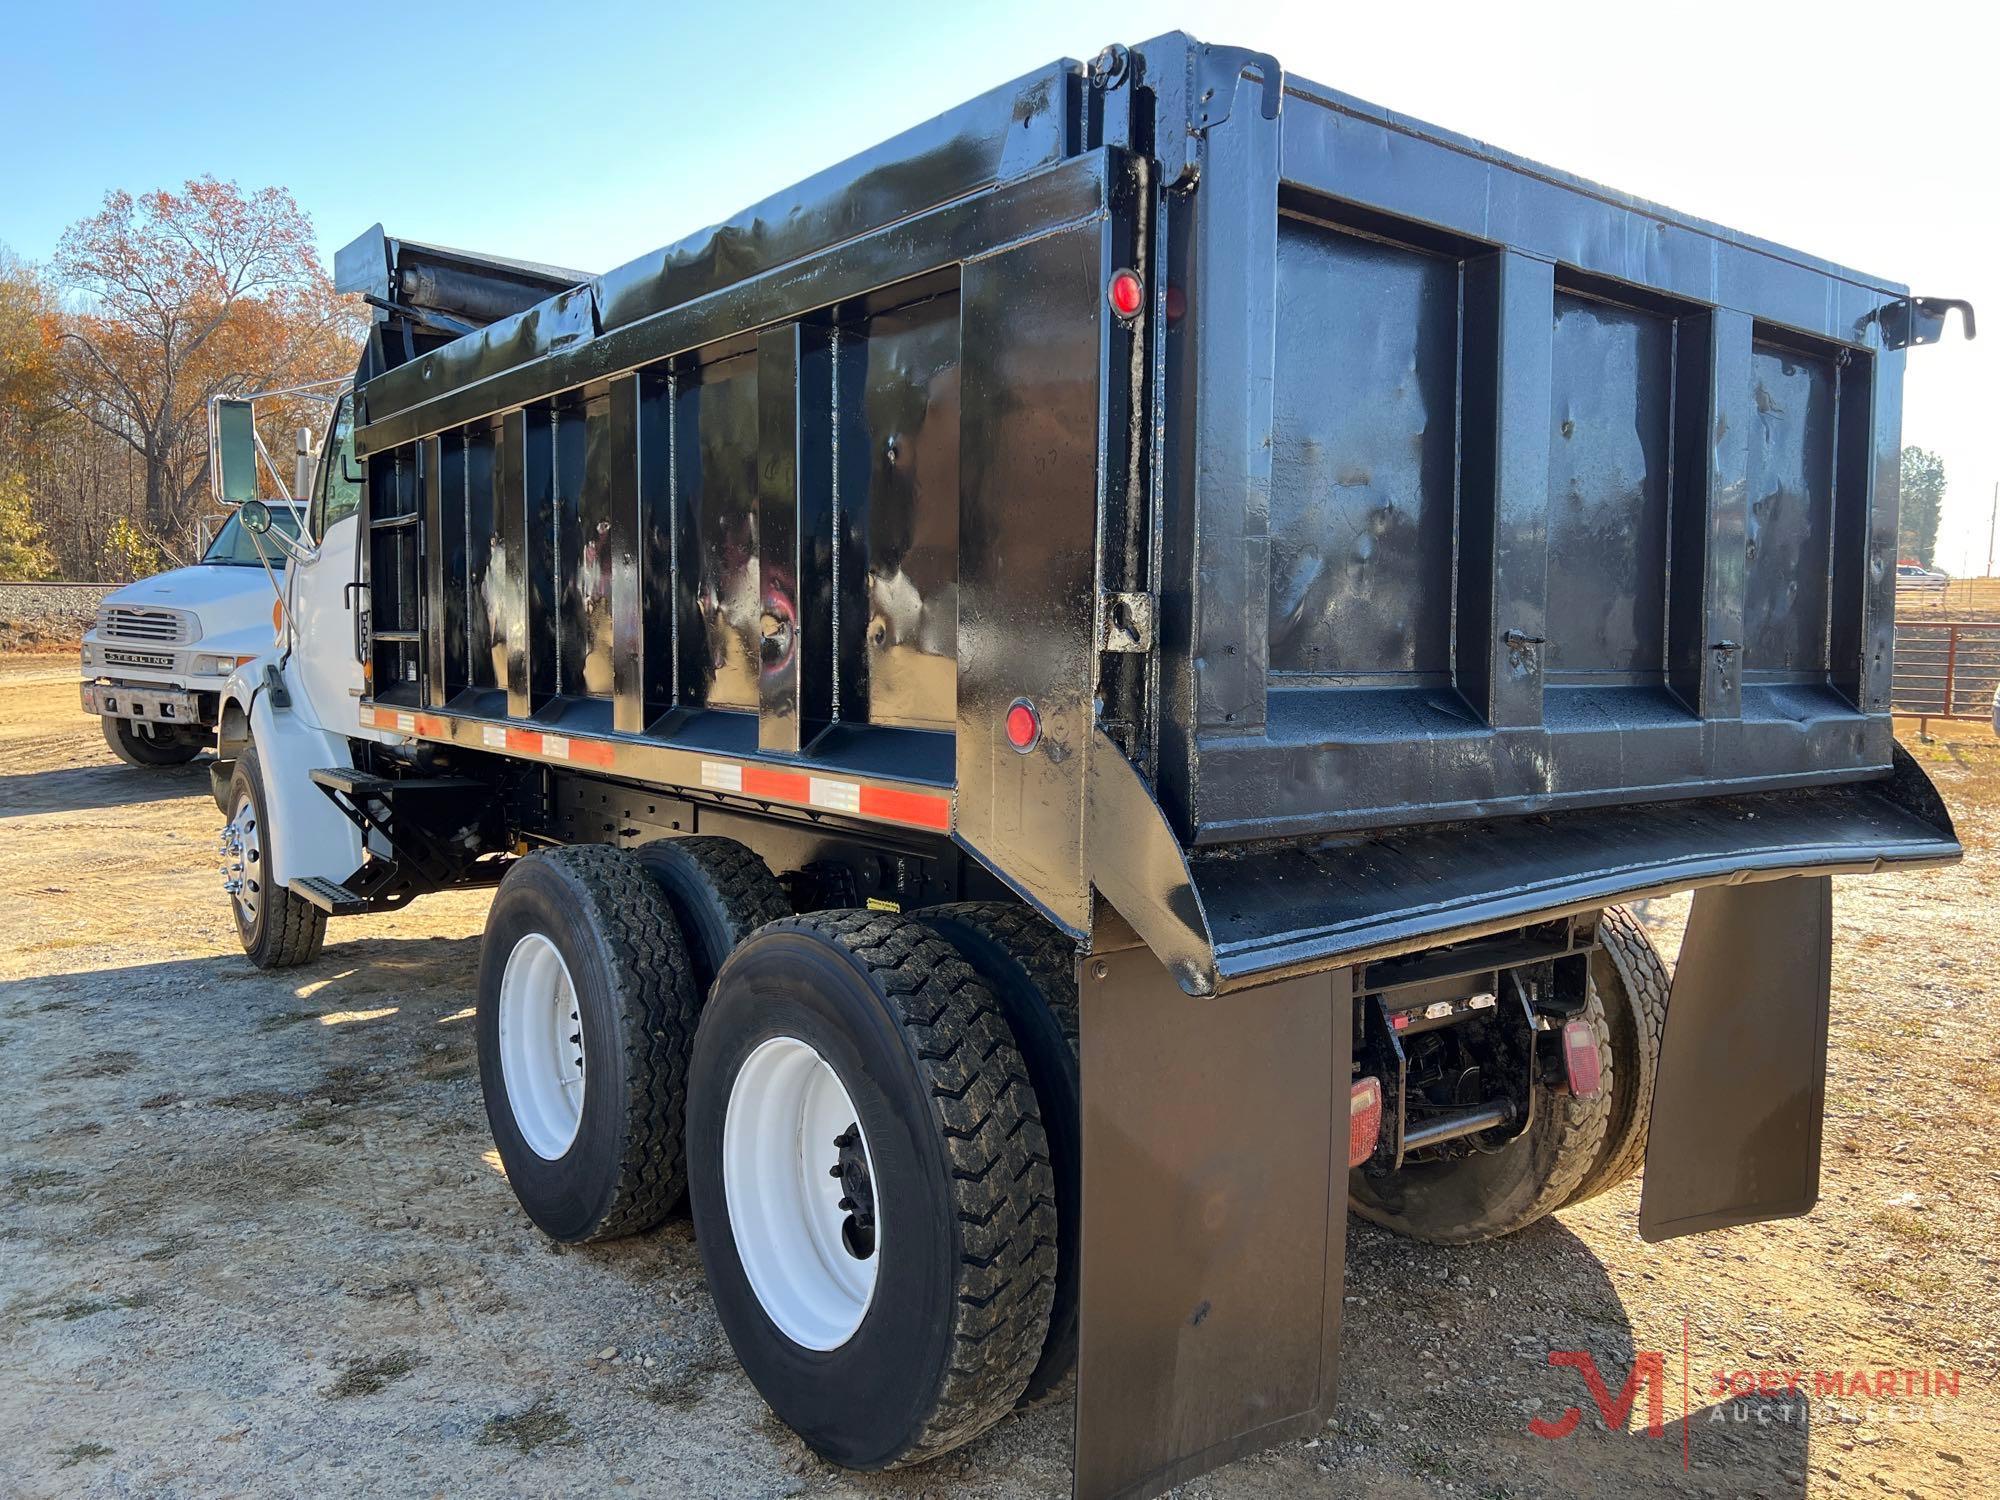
(163, 705)
(1277, 910)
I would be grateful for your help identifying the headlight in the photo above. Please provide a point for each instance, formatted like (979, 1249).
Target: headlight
(218, 666)
(89, 654)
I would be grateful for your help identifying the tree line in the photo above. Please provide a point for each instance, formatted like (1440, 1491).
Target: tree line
(110, 351)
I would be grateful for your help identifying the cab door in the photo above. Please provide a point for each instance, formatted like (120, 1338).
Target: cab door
(322, 588)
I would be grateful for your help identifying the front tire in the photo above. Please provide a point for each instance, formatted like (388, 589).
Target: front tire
(278, 930)
(174, 747)
(896, 1362)
(585, 1019)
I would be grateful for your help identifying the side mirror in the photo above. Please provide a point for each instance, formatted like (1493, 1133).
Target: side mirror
(232, 451)
(258, 520)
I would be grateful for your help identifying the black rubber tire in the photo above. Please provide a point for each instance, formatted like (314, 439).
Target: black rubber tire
(288, 930)
(177, 748)
(1031, 969)
(1632, 981)
(1462, 1200)
(960, 1308)
(721, 892)
(635, 999)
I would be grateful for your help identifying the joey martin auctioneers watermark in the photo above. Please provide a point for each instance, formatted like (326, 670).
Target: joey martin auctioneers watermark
(1766, 1396)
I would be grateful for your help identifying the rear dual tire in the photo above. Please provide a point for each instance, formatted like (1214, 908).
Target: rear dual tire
(588, 1121)
(1462, 1199)
(1031, 970)
(871, 1183)
(1632, 980)
(1576, 1148)
(963, 1237)
(720, 892)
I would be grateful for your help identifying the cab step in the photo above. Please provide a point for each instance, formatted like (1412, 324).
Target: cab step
(330, 896)
(355, 783)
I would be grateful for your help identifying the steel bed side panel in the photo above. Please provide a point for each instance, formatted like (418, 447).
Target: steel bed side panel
(598, 556)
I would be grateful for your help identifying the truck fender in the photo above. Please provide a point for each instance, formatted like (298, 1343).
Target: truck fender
(309, 836)
(232, 729)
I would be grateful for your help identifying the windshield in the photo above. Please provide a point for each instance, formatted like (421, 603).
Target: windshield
(233, 545)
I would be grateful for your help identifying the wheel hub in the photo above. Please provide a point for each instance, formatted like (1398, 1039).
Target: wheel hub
(242, 850)
(857, 1189)
(803, 1210)
(541, 1047)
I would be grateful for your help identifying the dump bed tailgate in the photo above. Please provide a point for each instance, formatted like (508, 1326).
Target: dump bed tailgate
(1541, 497)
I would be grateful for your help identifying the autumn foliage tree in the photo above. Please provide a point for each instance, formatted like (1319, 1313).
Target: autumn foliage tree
(28, 356)
(28, 403)
(179, 296)
(1922, 504)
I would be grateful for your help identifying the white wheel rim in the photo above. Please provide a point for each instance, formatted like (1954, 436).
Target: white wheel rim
(243, 843)
(786, 1107)
(541, 1046)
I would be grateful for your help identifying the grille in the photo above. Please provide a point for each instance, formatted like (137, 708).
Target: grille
(160, 627)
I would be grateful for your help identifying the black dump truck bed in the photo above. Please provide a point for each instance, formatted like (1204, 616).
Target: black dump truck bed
(1306, 556)
(1440, 539)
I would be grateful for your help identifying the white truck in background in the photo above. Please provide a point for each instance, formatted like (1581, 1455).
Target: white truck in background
(155, 662)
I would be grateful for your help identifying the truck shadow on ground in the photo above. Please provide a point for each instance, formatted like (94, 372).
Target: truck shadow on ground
(83, 787)
(347, 1091)
(1449, 1356)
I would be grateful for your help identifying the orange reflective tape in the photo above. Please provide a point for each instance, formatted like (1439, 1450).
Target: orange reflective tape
(921, 809)
(782, 786)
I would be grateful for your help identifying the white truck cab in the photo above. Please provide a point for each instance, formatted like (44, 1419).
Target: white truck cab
(155, 662)
(296, 706)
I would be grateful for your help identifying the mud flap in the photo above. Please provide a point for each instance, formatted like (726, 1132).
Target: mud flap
(1213, 1221)
(1735, 1134)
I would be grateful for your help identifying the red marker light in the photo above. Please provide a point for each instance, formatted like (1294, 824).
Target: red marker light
(1127, 293)
(1581, 1060)
(1364, 1121)
(1024, 725)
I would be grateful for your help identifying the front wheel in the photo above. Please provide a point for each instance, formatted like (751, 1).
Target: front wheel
(278, 930)
(170, 747)
(871, 1186)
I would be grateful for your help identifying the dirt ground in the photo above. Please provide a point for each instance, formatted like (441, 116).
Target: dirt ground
(254, 1240)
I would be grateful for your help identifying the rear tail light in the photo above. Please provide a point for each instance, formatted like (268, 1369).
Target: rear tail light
(1127, 293)
(1364, 1121)
(1580, 1059)
(1024, 725)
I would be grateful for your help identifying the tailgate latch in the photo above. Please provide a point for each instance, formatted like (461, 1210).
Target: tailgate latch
(1912, 321)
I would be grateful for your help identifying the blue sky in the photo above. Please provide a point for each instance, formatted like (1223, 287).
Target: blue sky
(586, 134)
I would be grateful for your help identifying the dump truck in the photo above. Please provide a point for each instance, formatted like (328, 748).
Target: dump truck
(1063, 700)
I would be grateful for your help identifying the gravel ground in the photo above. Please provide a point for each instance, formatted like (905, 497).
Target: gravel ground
(47, 616)
(254, 1240)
